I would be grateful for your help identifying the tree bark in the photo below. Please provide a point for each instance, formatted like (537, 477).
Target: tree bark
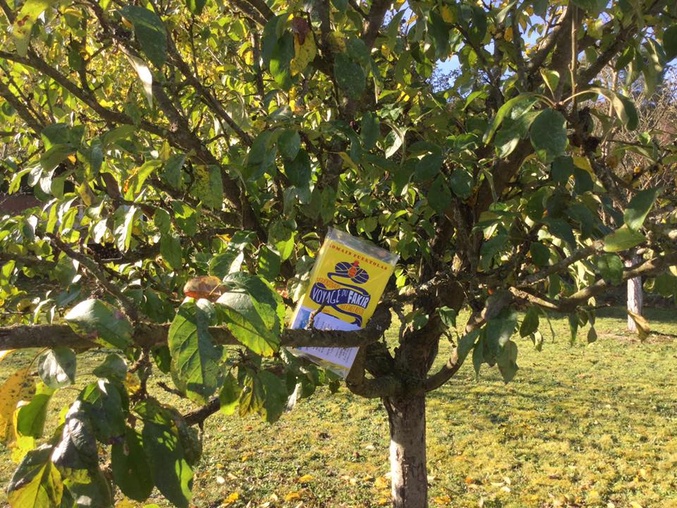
(635, 298)
(408, 451)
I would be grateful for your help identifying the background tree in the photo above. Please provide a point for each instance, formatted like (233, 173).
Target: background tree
(168, 140)
(638, 157)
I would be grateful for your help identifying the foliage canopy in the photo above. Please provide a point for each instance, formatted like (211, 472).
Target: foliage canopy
(167, 140)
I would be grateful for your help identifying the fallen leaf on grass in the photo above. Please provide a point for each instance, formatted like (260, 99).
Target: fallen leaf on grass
(382, 482)
(232, 497)
(292, 496)
(306, 478)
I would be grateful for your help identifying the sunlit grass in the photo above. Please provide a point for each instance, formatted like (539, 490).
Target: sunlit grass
(581, 425)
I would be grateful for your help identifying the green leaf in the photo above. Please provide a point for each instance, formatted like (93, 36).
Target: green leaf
(124, 228)
(503, 111)
(428, 167)
(31, 417)
(105, 404)
(507, 361)
(208, 186)
(254, 312)
(670, 42)
(349, 75)
(549, 134)
(540, 254)
(172, 170)
(252, 398)
(591, 7)
(289, 143)
(195, 7)
(461, 183)
(25, 19)
(89, 488)
(448, 316)
(610, 267)
(77, 448)
(622, 239)
(275, 396)
(478, 355)
(530, 322)
(170, 470)
(592, 335)
(439, 195)
(499, 330)
(467, 343)
(129, 463)
(230, 260)
(573, 327)
(561, 229)
(102, 323)
(562, 168)
(229, 396)
(36, 482)
(113, 368)
(551, 79)
(186, 217)
(269, 263)
(625, 111)
(624, 108)
(170, 250)
(370, 130)
(149, 31)
(56, 367)
(639, 207)
(195, 359)
(298, 170)
(280, 60)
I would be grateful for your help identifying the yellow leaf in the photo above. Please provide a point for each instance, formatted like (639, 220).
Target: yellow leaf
(381, 482)
(643, 328)
(508, 34)
(18, 387)
(125, 503)
(306, 478)
(232, 497)
(583, 163)
(448, 14)
(304, 53)
(6, 353)
(292, 496)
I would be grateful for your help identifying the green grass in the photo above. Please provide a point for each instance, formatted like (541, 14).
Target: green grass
(582, 425)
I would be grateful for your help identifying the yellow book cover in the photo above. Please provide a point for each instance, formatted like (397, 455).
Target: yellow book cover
(346, 283)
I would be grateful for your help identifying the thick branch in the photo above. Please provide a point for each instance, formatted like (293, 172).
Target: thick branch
(153, 334)
(443, 375)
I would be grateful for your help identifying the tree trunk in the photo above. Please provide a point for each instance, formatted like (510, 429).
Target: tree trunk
(635, 298)
(407, 451)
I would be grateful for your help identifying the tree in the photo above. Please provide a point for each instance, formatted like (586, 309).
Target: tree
(170, 140)
(639, 158)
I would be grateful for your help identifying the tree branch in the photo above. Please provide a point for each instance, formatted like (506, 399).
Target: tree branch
(443, 375)
(582, 253)
(153, 334)
(127, 304)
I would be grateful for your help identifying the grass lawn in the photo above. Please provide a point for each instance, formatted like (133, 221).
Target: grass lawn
(582, 425)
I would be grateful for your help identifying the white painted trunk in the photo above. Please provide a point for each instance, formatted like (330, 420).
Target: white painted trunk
(635, 298)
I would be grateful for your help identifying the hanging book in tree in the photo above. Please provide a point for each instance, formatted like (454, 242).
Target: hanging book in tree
(346, 283)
